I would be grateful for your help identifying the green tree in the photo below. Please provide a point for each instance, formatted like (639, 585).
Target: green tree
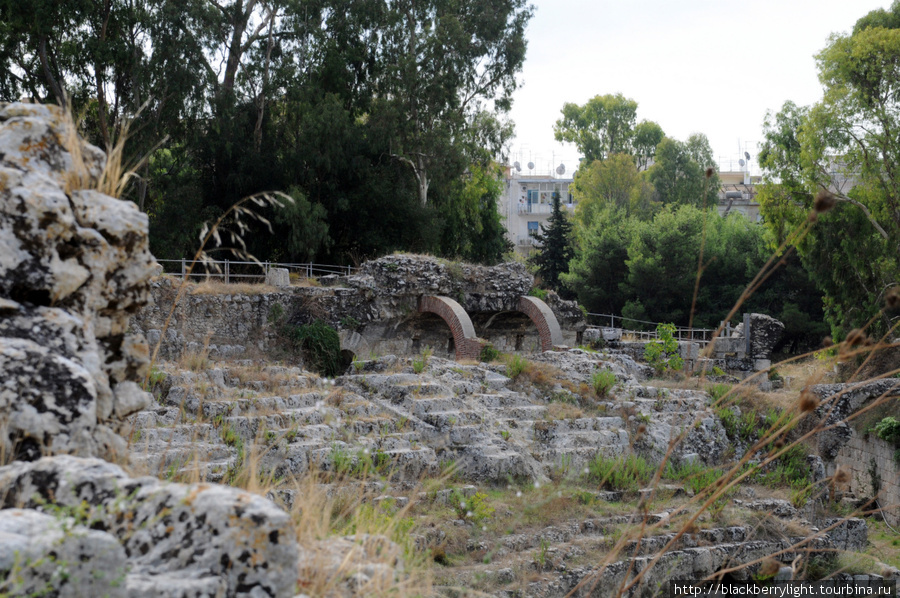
(447, 60)
(598, 267)
(846, 146)
(614, 181)
(601, 127)
(552, 259)
(679, 173)
(647, 135)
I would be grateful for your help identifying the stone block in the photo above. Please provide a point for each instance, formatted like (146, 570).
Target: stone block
(278, 277)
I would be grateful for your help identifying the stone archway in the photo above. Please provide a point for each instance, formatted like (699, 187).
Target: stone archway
(543, 317)
(467, 343)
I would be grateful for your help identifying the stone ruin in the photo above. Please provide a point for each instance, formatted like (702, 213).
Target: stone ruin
(74, 266)
(397, 304)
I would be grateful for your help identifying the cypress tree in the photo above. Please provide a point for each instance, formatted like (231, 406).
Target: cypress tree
(555, 248)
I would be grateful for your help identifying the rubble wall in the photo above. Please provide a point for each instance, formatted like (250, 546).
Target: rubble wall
(870, 461)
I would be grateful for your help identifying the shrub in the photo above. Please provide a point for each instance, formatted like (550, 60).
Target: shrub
(515, 365)
(421, 361)
(603, 381)
(320, 345)
(539, 293)
(627, 474)
(488, 354)
(888, 430)
(662, 355)
(717, 391)
(475, 508)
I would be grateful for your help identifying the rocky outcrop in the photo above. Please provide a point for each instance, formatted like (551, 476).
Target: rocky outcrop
(838, 403)
(159, 539)
(74, 264)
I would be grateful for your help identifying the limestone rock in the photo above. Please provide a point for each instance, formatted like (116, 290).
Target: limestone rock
(765, 333)
(74, 264)
(217, 537)
(45, 555)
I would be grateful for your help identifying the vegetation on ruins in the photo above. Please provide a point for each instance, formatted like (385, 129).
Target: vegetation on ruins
(421, 533)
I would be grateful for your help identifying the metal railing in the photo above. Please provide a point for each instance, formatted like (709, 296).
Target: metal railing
(237, 271)
(682, 333)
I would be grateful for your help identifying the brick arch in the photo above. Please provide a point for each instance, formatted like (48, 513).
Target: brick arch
(545, 320)
(468, 345)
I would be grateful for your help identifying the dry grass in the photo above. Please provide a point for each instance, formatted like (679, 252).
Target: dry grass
(217, 287)
(557, 411)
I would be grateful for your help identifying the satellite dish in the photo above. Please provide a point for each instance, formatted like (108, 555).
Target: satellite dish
(561, 169)
(747, 155)
(741, 162)
(531, 166)
(518, 167)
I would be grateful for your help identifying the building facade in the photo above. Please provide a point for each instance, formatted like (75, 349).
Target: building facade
(527, 205)
(738, 194)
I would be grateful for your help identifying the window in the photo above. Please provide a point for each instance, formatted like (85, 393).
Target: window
(532, 196)
(532, 228)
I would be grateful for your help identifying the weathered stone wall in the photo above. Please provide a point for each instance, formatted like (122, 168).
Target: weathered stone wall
(375, 311)
(225, 325)
(867, 458)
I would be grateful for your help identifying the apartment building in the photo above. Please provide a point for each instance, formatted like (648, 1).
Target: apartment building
(528, 202)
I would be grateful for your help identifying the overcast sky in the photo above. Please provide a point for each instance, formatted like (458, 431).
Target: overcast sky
(708, 66)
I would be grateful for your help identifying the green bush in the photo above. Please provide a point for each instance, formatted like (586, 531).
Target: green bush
(627, 474)
(488, 354)
(320, 344)
(603, 381)
(888, 430)
(420, 362)
(539, 293)
(662, 355)
(475, 508)
(515, 365)
(717, 391)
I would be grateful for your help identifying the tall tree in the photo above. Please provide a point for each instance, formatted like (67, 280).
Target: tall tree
(847, 146)
(601, 127)
(678, 177)
(448, 61)
(614, 181)
(555, 240)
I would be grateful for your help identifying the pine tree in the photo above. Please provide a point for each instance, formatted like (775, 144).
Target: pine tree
(556, 251)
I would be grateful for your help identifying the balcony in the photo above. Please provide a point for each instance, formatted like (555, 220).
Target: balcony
(535, 208)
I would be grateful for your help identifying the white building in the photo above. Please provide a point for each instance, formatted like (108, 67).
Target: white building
(527, 205)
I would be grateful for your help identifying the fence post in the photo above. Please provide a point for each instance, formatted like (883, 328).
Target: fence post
(227, 273)
(183, 270)
(747, 334)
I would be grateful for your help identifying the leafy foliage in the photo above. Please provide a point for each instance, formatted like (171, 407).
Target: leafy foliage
(602, 382)
(320, 344)
(663, 354)
(234, 98)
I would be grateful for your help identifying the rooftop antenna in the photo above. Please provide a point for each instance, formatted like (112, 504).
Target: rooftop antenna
(531, 166)
(561, 169)
(518, 167)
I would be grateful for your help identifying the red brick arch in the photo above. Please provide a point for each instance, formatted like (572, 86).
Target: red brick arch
(545, 320)
(468, 345)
